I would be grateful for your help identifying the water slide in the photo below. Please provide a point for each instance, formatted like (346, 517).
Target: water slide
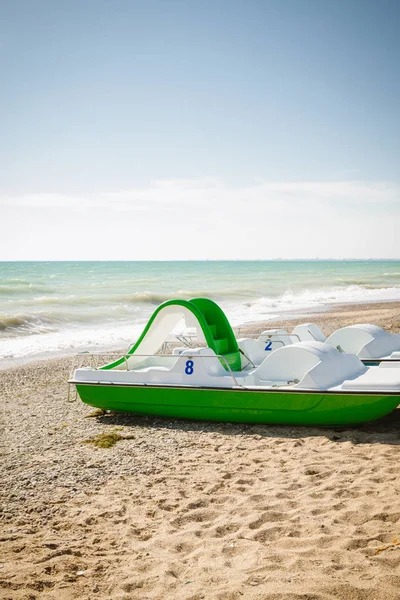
(212, 327)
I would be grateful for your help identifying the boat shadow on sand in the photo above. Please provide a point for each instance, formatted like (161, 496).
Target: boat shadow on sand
(382, 431)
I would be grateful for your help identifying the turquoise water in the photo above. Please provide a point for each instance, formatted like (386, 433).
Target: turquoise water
(48, 307)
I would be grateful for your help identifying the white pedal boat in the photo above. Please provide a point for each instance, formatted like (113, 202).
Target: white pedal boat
(307, 383)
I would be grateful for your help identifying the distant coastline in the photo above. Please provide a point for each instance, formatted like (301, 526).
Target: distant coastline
(201, 260)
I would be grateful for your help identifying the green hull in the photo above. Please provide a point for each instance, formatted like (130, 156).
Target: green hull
(241, 406)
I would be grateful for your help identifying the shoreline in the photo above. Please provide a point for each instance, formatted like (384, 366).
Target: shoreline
(186, 510)
(328, 317)
(384, 314)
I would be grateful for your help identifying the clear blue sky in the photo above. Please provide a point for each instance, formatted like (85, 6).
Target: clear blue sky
(99, 96)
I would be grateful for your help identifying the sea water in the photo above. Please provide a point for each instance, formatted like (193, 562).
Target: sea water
(49, 308)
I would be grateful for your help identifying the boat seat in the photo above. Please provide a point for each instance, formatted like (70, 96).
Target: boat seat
(181, 349)
(269, 334)
(288, 363)
(253, 351)
(311, 365)
(277, 338)
(365, 340)
(136, 362)
(209, 365)
(309, 332)
(268, 341)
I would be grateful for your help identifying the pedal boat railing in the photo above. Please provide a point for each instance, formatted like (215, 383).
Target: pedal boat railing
(126, 357)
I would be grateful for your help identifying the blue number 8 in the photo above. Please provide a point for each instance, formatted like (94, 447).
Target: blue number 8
(189, 367)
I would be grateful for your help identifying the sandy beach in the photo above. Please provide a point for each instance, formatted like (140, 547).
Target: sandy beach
(191, 510)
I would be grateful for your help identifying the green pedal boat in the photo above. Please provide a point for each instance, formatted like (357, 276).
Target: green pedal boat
(306, 383)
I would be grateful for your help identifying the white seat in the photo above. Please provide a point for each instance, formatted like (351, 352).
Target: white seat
(366, 341)
(310, 365)
(309, 332)
(253, 351)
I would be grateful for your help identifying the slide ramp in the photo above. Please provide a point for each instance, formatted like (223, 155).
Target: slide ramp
(206, 316)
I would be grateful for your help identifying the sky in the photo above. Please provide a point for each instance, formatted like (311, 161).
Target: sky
(199, 129)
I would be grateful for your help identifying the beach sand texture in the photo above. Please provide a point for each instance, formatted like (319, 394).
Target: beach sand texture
(186, 510)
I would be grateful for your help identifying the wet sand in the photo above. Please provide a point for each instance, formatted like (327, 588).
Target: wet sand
(191, 510)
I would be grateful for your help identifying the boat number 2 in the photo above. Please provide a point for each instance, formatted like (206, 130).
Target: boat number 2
(189, 367)
(268, 346)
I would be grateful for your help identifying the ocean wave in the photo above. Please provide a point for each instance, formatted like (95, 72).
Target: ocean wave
(215, 294)
(68, 342)
(11, 322)
(105, 300)
(351, 293)
(59, 327)
(8, 289)
(349, 282)
(268, 307)
(150, 297)
(16, 281)
(52, 301)
(109, 299)
(26, 323)
(54, 312)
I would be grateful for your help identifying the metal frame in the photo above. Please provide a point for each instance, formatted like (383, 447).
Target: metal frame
(126, 357)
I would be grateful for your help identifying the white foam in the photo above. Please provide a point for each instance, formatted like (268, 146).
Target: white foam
(68, 341)
(266, 308)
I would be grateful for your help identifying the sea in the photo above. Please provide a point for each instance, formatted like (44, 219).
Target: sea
(61, 308)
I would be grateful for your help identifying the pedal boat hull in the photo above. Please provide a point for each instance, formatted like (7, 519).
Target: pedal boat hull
(294, 407)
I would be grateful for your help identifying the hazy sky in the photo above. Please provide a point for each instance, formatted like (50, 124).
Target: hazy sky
(173, 129)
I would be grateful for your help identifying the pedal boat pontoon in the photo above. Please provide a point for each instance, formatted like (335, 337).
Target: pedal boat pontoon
(309, 383)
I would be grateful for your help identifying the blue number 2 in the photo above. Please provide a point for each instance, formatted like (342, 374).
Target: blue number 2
(189, 367)
(268, 346)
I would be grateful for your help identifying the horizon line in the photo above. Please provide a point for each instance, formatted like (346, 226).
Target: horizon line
(160, 260)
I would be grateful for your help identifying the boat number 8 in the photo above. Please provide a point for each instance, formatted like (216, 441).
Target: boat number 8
(268, 346)
(189, 367)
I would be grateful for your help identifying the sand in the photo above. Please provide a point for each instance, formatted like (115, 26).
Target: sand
(190, 510)
(384, 314)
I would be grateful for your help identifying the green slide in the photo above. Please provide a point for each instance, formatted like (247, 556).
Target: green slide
(204, 313)
(222, 339)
